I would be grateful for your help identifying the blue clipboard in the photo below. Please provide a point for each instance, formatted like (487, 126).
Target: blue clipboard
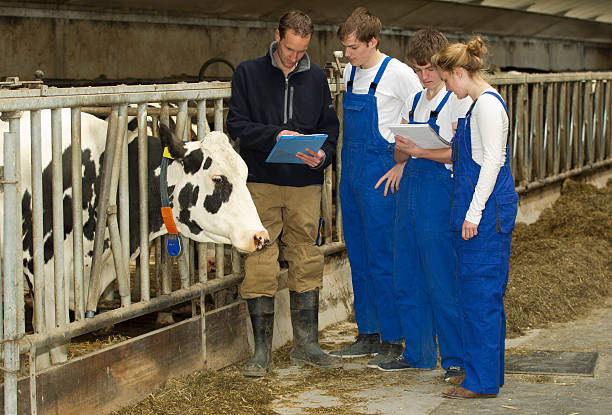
(288, 146)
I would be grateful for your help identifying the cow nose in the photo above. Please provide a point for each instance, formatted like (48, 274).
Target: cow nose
(261, 240)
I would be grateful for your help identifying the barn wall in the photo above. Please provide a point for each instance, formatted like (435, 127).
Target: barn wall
(77, 48)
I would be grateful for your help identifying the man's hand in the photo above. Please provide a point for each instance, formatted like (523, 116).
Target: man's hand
(406, 146)
(392, 177)
(469, 230)
(312, 159)
(286, 132)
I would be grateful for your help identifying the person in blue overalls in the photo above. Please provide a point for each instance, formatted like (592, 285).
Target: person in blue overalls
(377, 87)
(483, 212)
(424, 258)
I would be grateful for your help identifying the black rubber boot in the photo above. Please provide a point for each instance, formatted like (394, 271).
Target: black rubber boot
(305, 321)
(261, 310)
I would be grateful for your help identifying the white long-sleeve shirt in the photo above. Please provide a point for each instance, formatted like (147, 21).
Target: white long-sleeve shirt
(489, 128)
(397, 83)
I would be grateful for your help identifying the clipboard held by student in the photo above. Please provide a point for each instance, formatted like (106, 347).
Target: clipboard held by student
(420, 134)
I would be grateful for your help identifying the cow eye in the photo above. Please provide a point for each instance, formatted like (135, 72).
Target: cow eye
(217, 179)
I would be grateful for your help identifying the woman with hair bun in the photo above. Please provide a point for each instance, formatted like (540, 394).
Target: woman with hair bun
(483, 212)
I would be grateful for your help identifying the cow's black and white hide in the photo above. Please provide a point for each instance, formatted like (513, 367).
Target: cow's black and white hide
(206, 186)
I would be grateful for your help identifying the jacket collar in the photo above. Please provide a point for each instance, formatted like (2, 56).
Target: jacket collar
(302, 66)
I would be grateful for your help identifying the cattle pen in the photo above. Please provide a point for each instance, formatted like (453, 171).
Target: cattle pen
(560, 126)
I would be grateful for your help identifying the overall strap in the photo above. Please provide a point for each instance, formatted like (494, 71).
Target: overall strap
(507, 161)
(433, 115)
(468, 114)
(436, 112)
(496, 95)
(415, 101)
(458, 140)
(349, 84)
(379, 75)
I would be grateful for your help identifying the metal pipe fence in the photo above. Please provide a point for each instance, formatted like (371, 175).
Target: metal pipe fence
(559, 125)
(51, 327)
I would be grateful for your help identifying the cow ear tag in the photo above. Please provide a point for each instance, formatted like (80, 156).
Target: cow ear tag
(174, 245)
(167, 154)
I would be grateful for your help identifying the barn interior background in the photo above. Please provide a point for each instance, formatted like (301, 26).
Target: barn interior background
(153, 40)
(561, 128)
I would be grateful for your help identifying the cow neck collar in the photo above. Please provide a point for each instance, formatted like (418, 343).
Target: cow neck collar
(174, 245)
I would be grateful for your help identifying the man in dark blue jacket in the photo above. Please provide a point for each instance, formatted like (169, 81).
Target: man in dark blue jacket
(284, 93)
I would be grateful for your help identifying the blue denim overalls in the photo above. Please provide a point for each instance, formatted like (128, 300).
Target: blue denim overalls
(483, 263)
(425, 261)
(433, 115)
(368, 215)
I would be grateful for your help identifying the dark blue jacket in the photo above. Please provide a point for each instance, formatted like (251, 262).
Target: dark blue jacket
(263, 103)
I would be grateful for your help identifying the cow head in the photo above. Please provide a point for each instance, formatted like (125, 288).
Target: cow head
(208, 193)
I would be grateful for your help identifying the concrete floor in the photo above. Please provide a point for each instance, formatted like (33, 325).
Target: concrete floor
(418, 392)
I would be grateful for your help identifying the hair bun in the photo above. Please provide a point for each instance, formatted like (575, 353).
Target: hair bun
(476, 47)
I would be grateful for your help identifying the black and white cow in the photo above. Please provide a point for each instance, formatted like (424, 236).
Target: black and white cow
(206, 186)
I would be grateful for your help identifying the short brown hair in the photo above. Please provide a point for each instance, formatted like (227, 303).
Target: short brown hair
(363, 24)
(424, 44)
(295, 20)
(461, 55)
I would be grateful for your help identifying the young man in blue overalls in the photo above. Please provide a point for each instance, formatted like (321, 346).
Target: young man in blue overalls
(425, 274)
(377, 87)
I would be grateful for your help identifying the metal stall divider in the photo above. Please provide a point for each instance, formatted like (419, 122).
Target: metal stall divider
(10, 269)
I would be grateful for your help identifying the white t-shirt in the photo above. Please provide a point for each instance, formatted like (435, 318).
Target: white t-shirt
(397, 83)
(451, 111)
(489, 128)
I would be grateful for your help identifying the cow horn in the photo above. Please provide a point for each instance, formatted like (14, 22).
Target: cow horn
(175, 145)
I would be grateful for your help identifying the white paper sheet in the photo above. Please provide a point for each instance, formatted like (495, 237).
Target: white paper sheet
(421, 134)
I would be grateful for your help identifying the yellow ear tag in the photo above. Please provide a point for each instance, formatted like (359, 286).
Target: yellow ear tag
(167, 153)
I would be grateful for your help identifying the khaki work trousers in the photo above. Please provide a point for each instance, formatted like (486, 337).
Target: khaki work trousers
(294, 212)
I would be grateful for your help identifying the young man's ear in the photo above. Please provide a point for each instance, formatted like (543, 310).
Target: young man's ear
(373, 43)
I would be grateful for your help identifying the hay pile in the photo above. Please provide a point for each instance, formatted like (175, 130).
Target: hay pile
(90, 343)
(561, 265)
(228, 392)
(207, 393)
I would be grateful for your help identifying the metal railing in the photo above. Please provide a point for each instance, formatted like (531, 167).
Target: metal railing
(560, 125)
(51, 325)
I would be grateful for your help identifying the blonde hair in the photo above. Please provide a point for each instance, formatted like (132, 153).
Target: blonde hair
(461, 55)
